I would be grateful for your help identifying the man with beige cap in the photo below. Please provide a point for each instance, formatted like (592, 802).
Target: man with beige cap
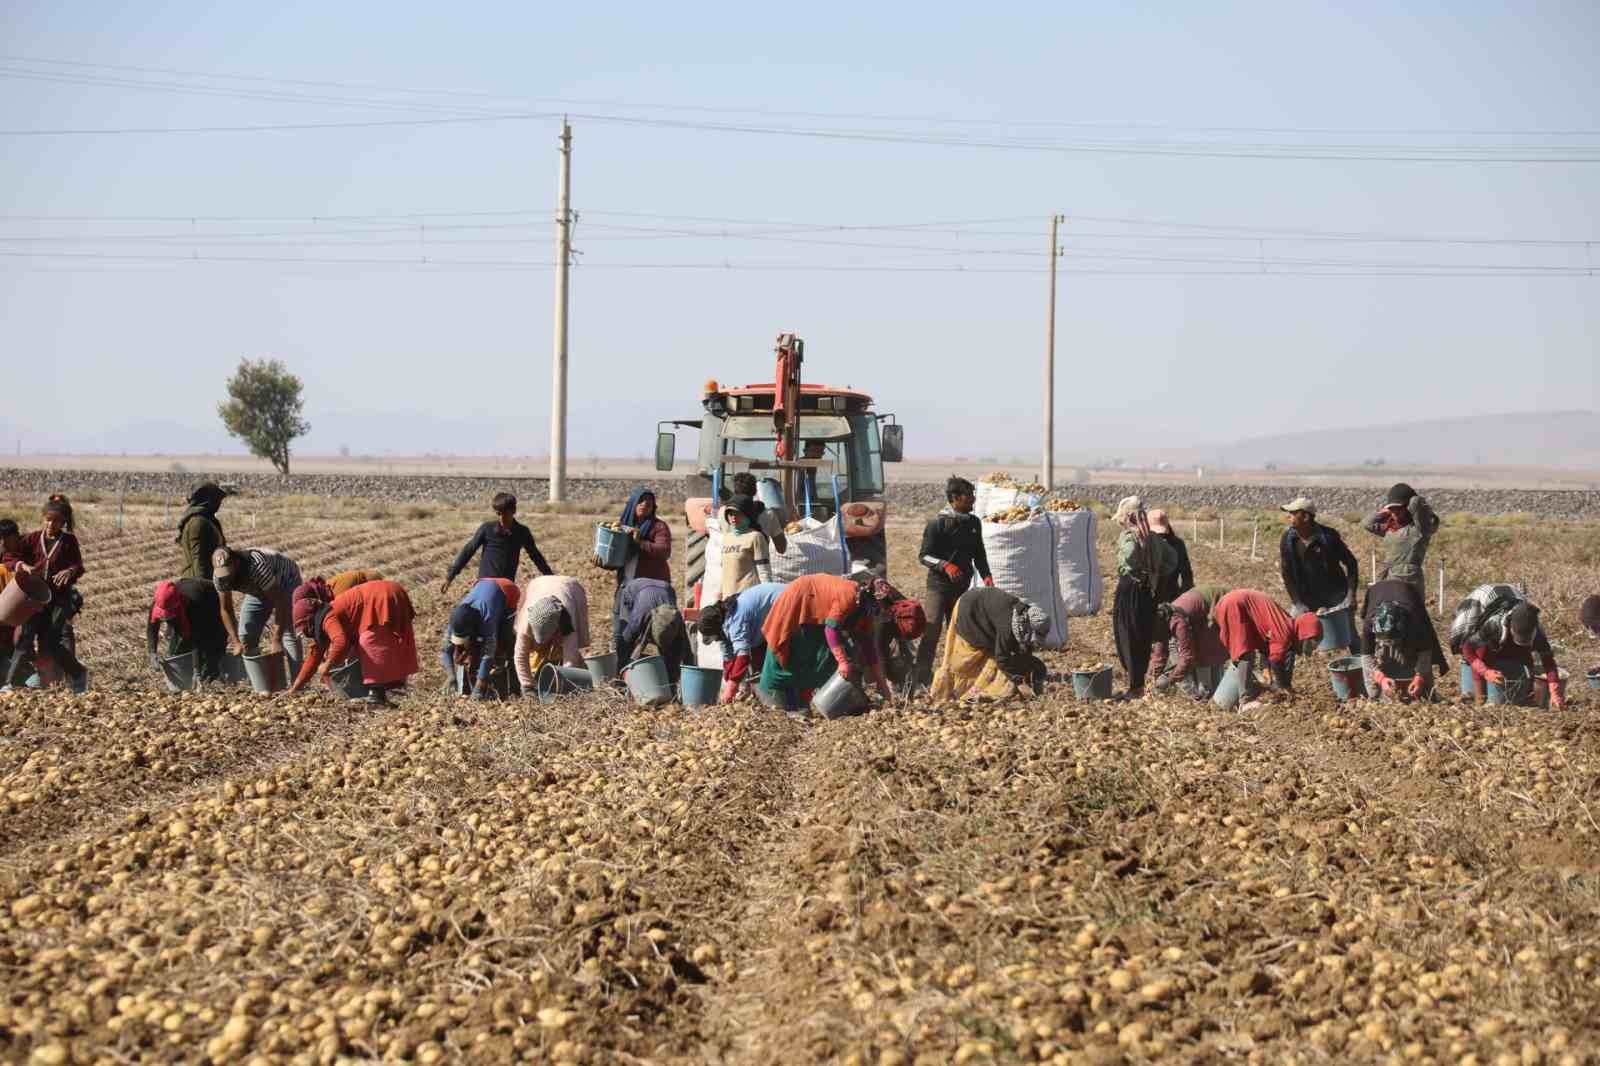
(1320, 574)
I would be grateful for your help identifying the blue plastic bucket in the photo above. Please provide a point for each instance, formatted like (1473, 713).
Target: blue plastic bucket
(1469, 682)
(1592, 678)
(602, 668)
(1348, 681)
(1338, 630)
(700, 686)
(1517, 690)
(647, 680)
(1092, 684)
(1233, 686)
(610, 548)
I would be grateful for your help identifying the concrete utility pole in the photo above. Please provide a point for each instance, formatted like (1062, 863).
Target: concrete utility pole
(558, 384)
(1047, 475)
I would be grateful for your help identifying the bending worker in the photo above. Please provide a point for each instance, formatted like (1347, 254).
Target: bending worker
(192, 613)
(1187, 622)
(552, 627)
(989, 651)
(371, 623)
(737, 623)
(1398, 641)
(480, 627)
(1249, 622)
(1496, 631)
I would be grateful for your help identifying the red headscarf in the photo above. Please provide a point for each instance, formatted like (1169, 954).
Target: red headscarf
(1308, 627)
(307, 598)
(169, 605)
(909, 619)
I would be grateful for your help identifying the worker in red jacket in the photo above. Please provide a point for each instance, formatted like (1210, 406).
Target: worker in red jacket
(1248, 621)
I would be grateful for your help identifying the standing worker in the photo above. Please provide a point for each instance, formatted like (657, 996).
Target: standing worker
(1407, 525)
(1180, 580)
(1589, 618)
(53, 553)
(1249, 622)
(952, 549)
(746, 552)
(1319, 572)
(199, 531)
(649, 555)
(746, 496)
(1495, 630)
(1144, 561)
(502, 542)
(1398, 639)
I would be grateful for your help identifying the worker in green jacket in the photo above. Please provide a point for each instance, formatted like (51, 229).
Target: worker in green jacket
(1407, 525)
(199, 532)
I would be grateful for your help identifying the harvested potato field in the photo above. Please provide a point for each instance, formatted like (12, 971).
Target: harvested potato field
(222, 877)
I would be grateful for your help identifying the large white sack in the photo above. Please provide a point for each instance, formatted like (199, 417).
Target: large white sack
(1050, 562)
(813, 549)
(992, 499)
(711, 583)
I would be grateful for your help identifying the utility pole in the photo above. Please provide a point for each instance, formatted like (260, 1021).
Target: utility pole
(1047, 475)
(558, 384)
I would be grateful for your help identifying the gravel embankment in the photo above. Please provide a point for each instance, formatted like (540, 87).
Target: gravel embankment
(911, 496)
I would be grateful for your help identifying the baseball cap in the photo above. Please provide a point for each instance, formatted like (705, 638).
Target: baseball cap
(1300, 503)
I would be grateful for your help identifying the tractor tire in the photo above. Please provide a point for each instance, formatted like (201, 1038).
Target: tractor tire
(694, 567)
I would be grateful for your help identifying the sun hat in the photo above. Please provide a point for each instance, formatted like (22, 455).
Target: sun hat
(1129, 505)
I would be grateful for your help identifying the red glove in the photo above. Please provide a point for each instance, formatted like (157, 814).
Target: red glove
(1384, 682)
(1494, 677)
(1414, 690)
(1558, 691)
(883, 688)
(954, 572)
(988, 582)
(733, 671)
(729, 693)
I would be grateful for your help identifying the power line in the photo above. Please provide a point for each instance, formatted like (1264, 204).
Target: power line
(776, 113)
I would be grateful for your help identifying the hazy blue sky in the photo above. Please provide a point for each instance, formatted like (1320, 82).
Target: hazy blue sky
(109, 352)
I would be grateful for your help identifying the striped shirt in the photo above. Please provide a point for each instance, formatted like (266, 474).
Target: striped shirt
(265, 573)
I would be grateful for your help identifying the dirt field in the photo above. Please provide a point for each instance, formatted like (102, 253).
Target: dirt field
(230, 878)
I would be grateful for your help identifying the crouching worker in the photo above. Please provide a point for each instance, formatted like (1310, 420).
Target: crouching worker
(190, 610)
(989, 650)
(1249, 622)
(655, 627)
(479, 632)
(1186, 621)
(1497, 632)
(736, 623)
(812, 624)
(552, 627)
(370, 623)
(1398, 643)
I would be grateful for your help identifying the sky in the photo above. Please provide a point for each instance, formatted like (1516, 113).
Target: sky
(877, 178)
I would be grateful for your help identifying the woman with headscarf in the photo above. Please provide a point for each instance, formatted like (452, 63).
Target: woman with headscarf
(809, 624)
(989, 652)
(52, 552)
(1398, 641)
(1144, 560)
(552, 627)
(649, 555)
(189, 609)
(199, 532)
(370, 623)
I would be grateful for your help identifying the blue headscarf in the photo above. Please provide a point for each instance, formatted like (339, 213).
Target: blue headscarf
(633, 502)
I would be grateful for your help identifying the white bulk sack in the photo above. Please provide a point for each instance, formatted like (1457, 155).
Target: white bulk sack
(813, 549)
(1050, 562)
(992, 499)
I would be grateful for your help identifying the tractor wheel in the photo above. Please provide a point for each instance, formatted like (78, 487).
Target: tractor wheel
(695, 562)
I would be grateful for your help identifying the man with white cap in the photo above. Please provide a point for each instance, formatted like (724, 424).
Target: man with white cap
(1320, 573)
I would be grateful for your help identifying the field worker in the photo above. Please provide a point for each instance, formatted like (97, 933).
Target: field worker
(640, 597)
(1497, 631)
(1248, 622)
(736, 623)
(11, 546)
(53, 553)
(812, 619)
(952, 550)
(1144, 561)
(267, 580)
(661, 631)
(371, 623)
(502, 542)
(192, 613)
(199, 531)
(746, 553)
(745, 496)
(1399, 645)
(1319, 572)
(343, 582)
(1181, 580)
(1187, 622)
(989, 651)
(1589, 617)
(1407, 525)
(650, 554)
(479, 627)
(552, 626)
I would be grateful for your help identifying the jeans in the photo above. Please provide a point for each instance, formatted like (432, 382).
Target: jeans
(254, 614)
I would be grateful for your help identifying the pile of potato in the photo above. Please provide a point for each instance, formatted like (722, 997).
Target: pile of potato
(1018, 513)
(1060, 506)
(998, 478)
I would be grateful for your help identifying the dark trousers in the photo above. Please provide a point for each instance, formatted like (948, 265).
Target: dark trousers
(1133, 621)
(45, 632)
(938, 604)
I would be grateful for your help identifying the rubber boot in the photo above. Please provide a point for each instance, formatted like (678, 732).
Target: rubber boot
(15, 674)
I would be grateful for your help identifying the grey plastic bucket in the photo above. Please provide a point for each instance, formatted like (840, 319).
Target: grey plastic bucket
(610, 548)
(1092, 684)
(179, 672)
(555, 681)
(265, 672)
(346, 680)
(602, 668)
(1338, 630)
(648, 682)
(1206, 678)
(838, 698)
(1592, 678)
(1348, 680)
(1234, 684)
(1517, 690)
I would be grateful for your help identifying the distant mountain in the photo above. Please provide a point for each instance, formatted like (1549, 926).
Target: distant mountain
(1567, 440)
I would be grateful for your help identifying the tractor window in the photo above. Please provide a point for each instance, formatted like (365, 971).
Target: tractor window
(866, 459)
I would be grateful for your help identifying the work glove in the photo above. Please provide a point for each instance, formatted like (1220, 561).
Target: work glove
(845, 669)
(954, 572)
(1414, 690)
(988, 582)
(1385, 683)
(1162, 683)
(1494, 677)
(1558, 691)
